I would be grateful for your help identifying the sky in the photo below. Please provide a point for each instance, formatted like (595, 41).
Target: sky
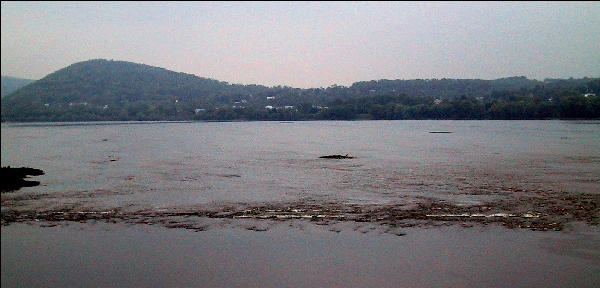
(308, 44)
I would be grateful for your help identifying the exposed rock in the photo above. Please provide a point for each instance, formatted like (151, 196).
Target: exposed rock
(337, 156)
(14, 178)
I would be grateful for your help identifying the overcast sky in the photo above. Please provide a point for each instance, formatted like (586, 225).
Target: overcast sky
(308, 44)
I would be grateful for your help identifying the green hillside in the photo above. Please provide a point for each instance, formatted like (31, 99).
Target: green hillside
(116, 90)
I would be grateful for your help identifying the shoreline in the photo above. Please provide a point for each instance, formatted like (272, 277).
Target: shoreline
(109, 122)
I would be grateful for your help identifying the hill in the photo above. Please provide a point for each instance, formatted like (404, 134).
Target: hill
(118, 90)
(12, 84)
(115, 90)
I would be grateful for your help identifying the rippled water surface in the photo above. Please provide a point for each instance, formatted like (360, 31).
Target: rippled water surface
(178, 164)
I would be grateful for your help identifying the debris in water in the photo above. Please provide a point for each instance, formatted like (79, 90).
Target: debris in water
(336, 156)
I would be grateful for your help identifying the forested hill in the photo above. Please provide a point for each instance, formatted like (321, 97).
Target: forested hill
(116, 85)
(12, 84)
(117, 90)
(442, 88)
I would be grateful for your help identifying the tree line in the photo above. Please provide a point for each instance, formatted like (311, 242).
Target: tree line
(103, 90)
(535, 103)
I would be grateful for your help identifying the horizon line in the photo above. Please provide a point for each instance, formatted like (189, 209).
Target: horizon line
(285, 85)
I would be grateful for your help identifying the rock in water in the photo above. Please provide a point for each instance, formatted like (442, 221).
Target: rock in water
(336, 156)
(14, 178)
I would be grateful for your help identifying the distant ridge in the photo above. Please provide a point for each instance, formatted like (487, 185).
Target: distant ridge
(102, 89)
(12, 84)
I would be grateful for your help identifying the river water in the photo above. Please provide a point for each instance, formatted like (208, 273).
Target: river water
(254, 176)
(172, 164)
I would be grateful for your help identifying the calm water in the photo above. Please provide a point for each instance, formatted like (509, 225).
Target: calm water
(148, 256)
(177, 164)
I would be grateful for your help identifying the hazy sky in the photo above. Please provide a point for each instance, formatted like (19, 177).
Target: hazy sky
(308, 44)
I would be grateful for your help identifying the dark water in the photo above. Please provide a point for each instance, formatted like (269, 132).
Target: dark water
(547, 173)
